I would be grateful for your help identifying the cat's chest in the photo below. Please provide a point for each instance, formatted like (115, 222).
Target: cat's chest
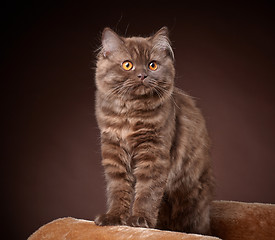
(128, 127)
(128, 131)
(124, 131)
(120, 131)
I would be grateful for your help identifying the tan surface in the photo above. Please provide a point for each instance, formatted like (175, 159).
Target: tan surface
(243, 221)
(74, 229)
(229, 221)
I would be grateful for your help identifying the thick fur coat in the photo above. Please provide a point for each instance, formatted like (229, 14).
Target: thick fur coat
(154, 142)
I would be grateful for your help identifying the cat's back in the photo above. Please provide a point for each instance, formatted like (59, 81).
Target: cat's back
(186, 107)
(191, 135)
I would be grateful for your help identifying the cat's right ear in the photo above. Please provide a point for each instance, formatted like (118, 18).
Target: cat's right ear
(111, 42)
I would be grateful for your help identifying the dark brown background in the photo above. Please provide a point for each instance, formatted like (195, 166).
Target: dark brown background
(51, 164)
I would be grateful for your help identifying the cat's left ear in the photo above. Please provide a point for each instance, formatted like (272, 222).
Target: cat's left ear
(161, 42)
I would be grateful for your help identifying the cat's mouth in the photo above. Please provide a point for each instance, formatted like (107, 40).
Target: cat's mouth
(142, 88)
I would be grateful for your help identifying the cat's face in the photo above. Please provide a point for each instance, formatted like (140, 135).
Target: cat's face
(130, 68)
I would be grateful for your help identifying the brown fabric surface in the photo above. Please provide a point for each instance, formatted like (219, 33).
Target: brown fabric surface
(75, 229)
(229, 221)
(246, 221)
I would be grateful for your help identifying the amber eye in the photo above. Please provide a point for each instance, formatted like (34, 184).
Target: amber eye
(153, 66)
(127, 65)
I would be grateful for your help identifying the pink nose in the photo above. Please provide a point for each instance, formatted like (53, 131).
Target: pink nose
(142, 76)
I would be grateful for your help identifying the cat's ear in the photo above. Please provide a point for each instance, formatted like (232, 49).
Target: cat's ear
(111, 42)
(161, 41)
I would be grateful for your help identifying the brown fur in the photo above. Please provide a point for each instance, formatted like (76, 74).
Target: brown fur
(155, 147)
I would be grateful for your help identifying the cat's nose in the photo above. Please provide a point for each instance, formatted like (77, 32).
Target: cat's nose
(142, 76)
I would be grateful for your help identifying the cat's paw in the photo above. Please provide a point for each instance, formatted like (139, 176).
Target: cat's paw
(109, 220)
(138, 221)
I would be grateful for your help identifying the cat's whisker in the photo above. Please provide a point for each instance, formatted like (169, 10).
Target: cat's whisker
(163, 91)
(113, 92)
(171, 97)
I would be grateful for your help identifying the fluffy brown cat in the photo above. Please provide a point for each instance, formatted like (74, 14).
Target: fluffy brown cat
(155, 146)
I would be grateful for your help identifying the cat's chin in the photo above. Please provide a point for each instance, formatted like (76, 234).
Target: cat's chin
(141, 90)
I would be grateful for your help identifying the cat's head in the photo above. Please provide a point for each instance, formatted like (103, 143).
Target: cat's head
(136, 67)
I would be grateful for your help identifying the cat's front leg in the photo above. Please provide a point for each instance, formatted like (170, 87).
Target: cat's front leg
(119, 186)
(151, 171)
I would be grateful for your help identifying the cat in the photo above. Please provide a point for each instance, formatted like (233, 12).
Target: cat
(154, 143)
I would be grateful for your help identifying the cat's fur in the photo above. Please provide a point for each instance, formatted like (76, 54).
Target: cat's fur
(155, 146)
